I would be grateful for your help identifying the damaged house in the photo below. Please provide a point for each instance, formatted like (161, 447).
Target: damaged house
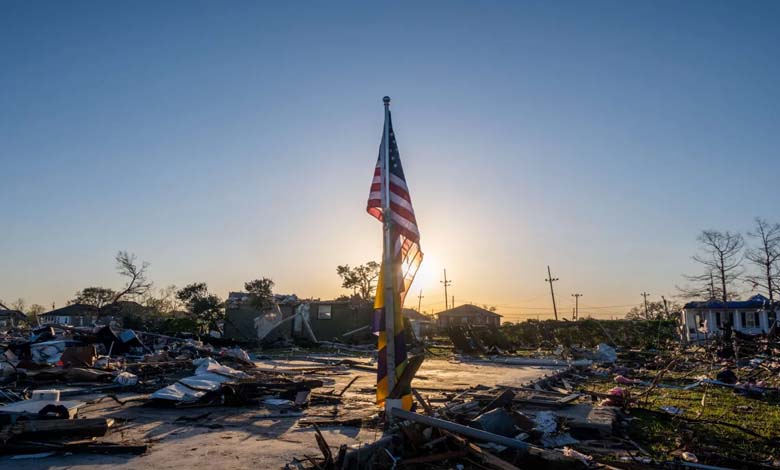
(10, 318)
(710, 318)
(311, 320)
(340, 320)
(245, 322)
(422, 325)
(73, 314)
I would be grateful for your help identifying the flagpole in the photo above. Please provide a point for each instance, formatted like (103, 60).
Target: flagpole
(389, 274)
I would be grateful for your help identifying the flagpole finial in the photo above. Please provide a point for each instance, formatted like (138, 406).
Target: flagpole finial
(386, 99)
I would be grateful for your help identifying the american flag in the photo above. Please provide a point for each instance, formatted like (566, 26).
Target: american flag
(405, 234)
(405, 240)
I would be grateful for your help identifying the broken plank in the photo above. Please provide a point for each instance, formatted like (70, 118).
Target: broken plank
(60, 427)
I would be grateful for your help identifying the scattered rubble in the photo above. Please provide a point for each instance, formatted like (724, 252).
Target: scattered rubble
(40, 370)
(579, 413)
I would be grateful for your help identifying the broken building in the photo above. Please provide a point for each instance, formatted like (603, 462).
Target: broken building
(710, 318)
(10, 318)
(313, 320)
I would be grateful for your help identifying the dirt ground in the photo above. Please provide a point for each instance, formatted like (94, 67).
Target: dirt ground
(258, 437)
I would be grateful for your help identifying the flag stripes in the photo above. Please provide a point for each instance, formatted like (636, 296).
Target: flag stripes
(407, 256)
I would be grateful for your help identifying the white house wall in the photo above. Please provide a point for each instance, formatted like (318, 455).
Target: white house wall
(689, 321)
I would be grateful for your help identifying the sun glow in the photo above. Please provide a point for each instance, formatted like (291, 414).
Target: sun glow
(427, 279)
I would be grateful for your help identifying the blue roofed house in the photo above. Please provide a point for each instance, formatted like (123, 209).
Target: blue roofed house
(710, 318)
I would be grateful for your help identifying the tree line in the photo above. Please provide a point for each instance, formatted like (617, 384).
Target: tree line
(204, 309)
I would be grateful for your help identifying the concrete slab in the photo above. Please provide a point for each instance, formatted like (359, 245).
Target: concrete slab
(254, 437)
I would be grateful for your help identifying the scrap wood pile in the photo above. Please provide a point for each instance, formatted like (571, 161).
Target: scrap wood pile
(538, 426)
(737, 346)
(48, 375)
(48, 431)
(628, 420)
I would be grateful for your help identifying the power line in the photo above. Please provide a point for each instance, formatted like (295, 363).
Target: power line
(531, 307)
(608, 306)
(518, 311)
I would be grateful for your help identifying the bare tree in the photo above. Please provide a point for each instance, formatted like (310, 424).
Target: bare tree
(19, 305)
(165, 302)
(703, 288)
(765, 256)
(137, 284)
(721, 255)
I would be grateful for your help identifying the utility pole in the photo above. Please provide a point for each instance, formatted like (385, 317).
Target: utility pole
(576, 305)
(550, 279)
(446, 284)
(452, 304)
(419, 301)
(645, 294)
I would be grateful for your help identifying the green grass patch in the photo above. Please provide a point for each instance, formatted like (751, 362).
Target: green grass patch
(665, 435)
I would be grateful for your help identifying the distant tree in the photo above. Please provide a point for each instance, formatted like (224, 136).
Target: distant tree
(19, 304)
(164, 302)
(36, 309)
(137, 285)
(205, 307)
(361, 279)
(655, 311)
(261, 295)
(765, 256)
(97, 297)
(33, 312)
(721, 255)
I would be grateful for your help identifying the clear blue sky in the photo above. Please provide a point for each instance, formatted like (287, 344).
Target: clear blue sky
(223, 141)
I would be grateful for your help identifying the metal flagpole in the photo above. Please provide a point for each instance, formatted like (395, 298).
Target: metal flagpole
(389, 274)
